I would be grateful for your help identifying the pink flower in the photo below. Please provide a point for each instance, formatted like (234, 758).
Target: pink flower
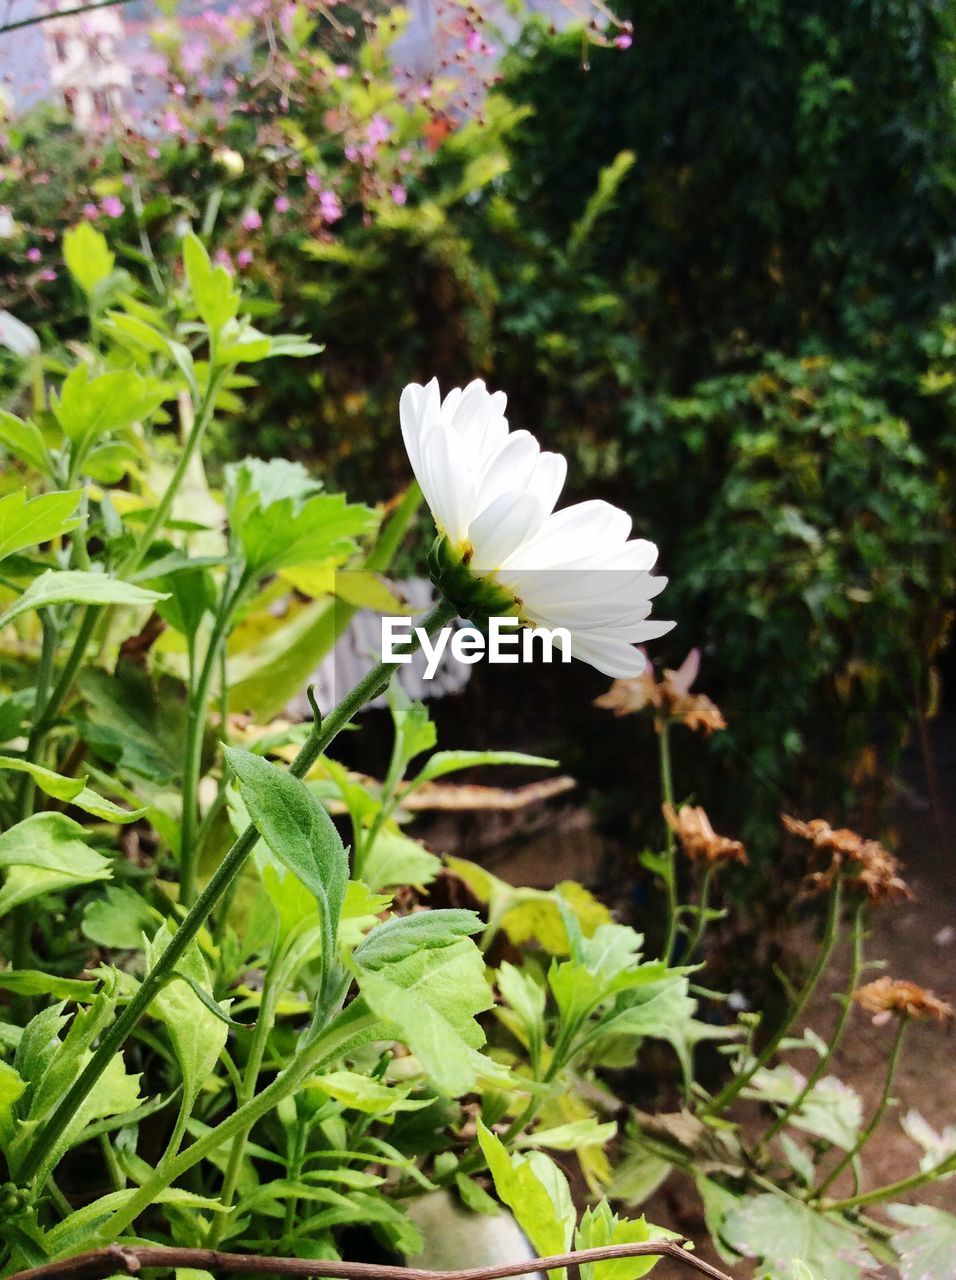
(351, 153)
(33, 255)
(378, 130)
(343, 71)
(172, 122)
(282, 204)
(330, 207)
(251, 220)
(624, 41)
(474, 43)
(399, 194)
(113, 206)
(313, 181)
(90, 211)
(179, 90)
(224, 260)
(193, 55)
(49, 274)
(244, 257)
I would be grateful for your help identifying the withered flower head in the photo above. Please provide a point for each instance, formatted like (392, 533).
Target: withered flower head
(698, 839)
(670, 697)
(888, 996)
(876, 869)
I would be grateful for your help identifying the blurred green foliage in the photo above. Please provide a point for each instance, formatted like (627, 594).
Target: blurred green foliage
(715, 268)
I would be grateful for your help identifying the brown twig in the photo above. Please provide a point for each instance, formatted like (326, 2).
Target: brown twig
(129, 1260)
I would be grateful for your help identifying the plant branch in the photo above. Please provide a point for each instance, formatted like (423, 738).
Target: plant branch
(367, 689)
(741, 1081)
(97, 1264)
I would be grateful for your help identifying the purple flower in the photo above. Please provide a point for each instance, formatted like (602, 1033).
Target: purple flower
(251, 220)
(33, 255)
(474, 43)
(399, 194)
(49, 274)
(624, 41)
(90, 211)
(244, 257)
(313, 181)
(330, 207)
(224, 260)
(282, 204)
(343, 71)
(351, 153)
(378, 130)
(113, 206)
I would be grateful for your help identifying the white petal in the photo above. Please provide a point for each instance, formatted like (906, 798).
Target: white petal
(502, 527)
(548, 479)
(417, 407)
(611, 657)
(584, 529)
(509, 469)
(447, 487)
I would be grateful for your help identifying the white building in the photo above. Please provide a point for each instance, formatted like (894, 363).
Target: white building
(84, 55)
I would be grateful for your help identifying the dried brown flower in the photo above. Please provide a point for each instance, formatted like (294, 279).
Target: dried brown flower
(876, 869)
(887, 996)
(698, 839)
(670, 697)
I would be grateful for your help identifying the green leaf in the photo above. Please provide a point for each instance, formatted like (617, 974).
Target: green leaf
(323, 528)
(445, 762)
(72, 790)
(536, 1192)
(26, 522)
(299, 832)
(927, 1246)
(396, 859)
(70, 586)
(12, 1087)
(573, 1136)
(87, 256)
(779, 1231)
(372, 1097)
(429, 999)
(119, 919)
(34, 982)
(216, 298)
(414, 731)
(198, 1036)
(599, 1227)
(832, 1110)
(475, 1197)
(44, 853)
(402, 936)
(23, 440)
(13, 711)
(89, 408)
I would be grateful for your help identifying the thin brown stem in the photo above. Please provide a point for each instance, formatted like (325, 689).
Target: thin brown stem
(129, 1260)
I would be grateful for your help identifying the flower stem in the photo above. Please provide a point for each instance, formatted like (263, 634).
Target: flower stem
(694, 940)
(739, 1082)
(864, 1137)
(322, 735)
(856, 966)
(893, 1189)
(670, 852)
(195, 733)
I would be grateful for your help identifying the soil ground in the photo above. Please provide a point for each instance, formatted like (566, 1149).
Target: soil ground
(916, 940)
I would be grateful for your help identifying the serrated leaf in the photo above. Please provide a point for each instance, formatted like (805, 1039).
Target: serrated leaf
(216, 298)
(396, 859)
(404, 936)
(70, 586)
(26, 522)
(599, 1226)
(372, 1097)
(573, 1136)
(12, 1087)
(779, 1231)
(23, 440)
(429, 1000)
(927, 1246)
(89, 408)
(197, 1034)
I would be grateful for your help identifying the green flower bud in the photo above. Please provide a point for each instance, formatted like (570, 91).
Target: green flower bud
(475, 598)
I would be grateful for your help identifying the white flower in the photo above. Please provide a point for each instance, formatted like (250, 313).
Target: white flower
(493, 492)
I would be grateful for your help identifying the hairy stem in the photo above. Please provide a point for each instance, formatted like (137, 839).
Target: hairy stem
(670, 850)
(856, 965)
(878, 1114)
(892, 1189)
(367, 689)
(739, 1082)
